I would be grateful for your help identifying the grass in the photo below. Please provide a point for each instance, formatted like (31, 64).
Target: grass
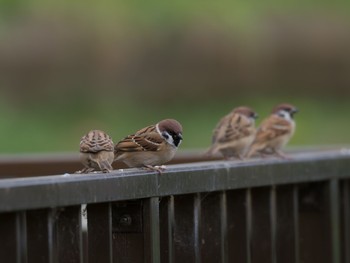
(157, 13)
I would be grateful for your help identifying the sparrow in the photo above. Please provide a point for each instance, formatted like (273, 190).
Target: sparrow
(151, 146)
(96, 152)
(274, 132)
(234, 133)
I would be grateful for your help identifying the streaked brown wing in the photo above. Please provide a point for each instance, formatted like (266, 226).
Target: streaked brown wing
(217, 130)
(233, 127)
(146, 139)
(143, 131)
(128, 144)
(264, 135)
(150, 142)
(272, 128)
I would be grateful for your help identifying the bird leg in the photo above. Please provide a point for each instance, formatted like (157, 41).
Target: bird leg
(105, 166)
(240, 157)
(264, 155)
(282, 155)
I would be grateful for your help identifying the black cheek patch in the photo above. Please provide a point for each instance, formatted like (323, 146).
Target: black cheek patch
(176, 140)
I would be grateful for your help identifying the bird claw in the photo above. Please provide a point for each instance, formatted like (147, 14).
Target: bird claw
(85, 171)
(159, 169)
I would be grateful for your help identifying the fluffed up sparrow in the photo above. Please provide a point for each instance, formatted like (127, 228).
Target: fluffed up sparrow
(96, 152)
(151, 146)
(274, 132)
(234, 133)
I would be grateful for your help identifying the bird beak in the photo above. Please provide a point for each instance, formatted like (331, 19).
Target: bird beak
(293, 111)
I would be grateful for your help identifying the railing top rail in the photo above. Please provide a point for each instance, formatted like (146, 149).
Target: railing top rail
(72, 189)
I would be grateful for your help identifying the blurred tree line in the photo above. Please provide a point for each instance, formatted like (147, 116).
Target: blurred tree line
(61, 52)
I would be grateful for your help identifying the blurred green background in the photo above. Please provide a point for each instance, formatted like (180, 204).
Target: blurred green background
(70, 66)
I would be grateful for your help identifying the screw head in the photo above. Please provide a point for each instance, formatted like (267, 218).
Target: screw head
(125, 220)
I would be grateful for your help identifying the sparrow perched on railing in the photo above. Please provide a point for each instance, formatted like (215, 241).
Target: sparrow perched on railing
(234, 133)
(274, 132)
(151, 146)
(96, 152)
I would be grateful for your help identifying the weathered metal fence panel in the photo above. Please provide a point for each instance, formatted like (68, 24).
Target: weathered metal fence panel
(128, 222)
(40, 237)
(211, 220)
(100, 233)
(287, 224)
(185, 229)
(261, 229)
(258, 211)
(314, 223)
(345, 220)
(10, 249)
(237, 213)
(68, 234)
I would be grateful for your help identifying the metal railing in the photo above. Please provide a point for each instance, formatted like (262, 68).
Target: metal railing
(217, 211)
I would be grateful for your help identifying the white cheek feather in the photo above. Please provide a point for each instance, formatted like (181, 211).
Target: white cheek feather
(157, 128)
(170, 139)
(285, 115)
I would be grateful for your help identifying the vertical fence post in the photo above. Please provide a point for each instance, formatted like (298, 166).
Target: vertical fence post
(296, 223)
(170, 226)
(151, 230)
(197, 225)
(335, 219)
(273, 223)
(223, 227)
(346, 221)
(166, 223)
(249, 224)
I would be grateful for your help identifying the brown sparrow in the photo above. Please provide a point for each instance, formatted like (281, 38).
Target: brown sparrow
(234, 133)
(274, 132)
(151, 146)
(96, 152)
